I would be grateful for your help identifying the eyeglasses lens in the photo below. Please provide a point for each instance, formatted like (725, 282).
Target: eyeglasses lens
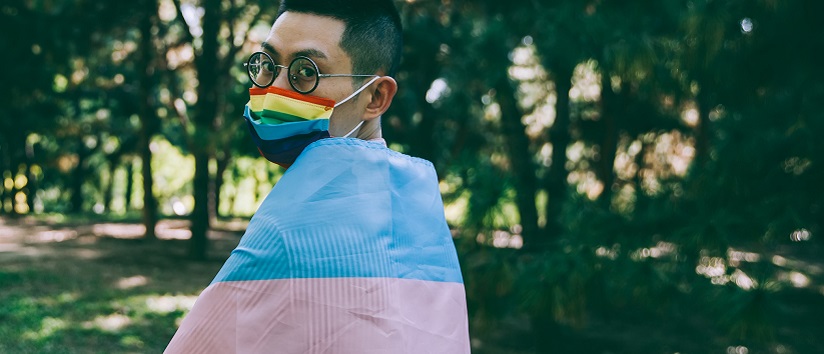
(262, 70)
(303, 75)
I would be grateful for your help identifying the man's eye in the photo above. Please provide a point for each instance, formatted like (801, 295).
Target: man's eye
(268, 66)
(306, 72)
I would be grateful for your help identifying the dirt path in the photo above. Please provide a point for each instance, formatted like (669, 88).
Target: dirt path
(30, 237)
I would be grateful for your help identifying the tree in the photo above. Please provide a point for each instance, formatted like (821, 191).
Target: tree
(208, 129)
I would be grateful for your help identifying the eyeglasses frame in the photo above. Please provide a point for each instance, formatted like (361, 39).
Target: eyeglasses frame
(248, 64)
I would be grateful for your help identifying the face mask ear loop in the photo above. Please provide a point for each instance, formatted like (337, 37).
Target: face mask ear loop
(357, 91)
(353, 129)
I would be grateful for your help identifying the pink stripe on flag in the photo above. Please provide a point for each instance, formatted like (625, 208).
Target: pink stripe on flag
(326, 315)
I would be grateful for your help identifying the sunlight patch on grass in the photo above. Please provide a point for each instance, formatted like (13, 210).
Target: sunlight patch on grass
(132, 282)
(110, 323)
(122, 231)
(11, 247)
(48, 326)
(132, 341)
(54, 236)
(63, 298)
(168, 303)
(169, 232)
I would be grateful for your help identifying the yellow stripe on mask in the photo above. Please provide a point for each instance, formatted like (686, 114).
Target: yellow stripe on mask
(291, 106)
(256, 103)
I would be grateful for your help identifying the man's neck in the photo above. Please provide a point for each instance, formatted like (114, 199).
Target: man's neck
(371, 130)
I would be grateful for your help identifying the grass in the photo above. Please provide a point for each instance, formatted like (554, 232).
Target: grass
(86, 285)
(94, 293)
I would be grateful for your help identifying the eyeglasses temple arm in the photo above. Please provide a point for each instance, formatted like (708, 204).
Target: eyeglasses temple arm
(344, 75)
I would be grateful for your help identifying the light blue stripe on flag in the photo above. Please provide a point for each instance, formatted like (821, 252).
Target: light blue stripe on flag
(349, 208)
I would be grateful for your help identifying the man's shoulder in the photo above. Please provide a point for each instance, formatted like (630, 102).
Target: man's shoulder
(353, 145)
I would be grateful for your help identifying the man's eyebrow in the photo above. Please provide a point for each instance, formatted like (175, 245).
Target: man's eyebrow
(311, 53)
(269, 48)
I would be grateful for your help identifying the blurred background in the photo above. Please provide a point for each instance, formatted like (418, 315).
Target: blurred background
(619, 176)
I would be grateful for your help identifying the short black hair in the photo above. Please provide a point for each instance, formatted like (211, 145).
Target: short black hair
(373, 37)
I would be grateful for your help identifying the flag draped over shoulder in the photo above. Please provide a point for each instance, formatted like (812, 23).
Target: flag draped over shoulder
(349, 253)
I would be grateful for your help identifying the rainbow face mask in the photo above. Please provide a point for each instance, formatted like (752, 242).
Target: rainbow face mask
(283, 122)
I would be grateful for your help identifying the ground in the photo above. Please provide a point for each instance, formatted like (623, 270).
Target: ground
(95, 287)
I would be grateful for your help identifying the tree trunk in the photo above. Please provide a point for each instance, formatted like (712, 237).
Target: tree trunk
(12, 195)
(205, 111)
(222, 164)
(610, 111)
(108, 193)
(149, 121)
(559, 135)
(14, 160)
(5, 170)
(638, 178)
(76, 199)
(523, 168)
(702, 130)
(129, 185)
(425, 69)
(77, 178)
(31, 186)
(199, 244)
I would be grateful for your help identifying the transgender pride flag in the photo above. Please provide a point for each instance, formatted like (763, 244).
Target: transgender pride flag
(349, 253)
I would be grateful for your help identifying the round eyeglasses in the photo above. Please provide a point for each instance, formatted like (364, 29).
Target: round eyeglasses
(303, 73)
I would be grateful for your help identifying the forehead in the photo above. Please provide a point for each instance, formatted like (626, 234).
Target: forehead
(296, 33)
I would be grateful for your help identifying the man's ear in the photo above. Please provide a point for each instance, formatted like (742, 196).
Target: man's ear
(385, 89)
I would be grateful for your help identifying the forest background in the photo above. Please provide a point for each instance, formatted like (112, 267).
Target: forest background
(620, 176)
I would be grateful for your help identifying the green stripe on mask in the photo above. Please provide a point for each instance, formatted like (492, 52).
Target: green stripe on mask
(274, 117)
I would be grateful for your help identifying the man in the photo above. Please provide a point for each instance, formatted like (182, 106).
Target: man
(350, 252)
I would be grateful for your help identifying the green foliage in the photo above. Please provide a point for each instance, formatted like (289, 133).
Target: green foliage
(658, 162)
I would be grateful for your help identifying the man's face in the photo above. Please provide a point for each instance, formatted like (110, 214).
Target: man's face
(317, 37)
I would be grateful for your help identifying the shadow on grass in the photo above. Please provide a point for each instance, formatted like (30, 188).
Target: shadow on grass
(92, 292)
